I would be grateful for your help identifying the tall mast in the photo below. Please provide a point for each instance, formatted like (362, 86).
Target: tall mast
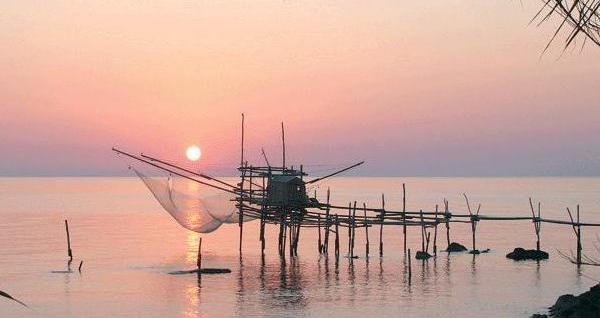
(283, 144)
(242, 152)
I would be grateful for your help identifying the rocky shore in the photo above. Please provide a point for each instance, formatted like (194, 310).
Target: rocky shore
(586, 305)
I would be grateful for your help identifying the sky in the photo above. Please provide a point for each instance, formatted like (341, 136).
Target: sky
(414, 88)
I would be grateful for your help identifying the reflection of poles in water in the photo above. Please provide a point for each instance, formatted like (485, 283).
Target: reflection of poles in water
(199, 259)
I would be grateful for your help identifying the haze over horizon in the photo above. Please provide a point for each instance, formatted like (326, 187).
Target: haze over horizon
(440, 88)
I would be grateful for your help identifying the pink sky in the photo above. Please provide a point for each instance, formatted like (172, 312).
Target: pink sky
(414, 88)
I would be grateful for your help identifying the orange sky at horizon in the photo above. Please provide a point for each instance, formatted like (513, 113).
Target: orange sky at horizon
(432, 88)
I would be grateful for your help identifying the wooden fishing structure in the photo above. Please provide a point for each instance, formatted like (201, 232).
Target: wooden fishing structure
(277, 196)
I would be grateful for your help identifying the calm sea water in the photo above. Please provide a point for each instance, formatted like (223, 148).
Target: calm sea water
(128, 245)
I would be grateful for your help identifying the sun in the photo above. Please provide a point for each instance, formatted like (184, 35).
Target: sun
(193, 153)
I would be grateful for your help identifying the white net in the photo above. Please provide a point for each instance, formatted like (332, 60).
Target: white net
(191, 204)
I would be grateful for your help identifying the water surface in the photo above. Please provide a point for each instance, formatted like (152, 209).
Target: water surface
(129, 245)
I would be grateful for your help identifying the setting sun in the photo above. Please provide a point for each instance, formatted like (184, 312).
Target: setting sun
(193, 153)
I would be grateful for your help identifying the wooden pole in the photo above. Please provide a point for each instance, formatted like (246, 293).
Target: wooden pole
(577, 230)
(353, 229)
(579, 247)
(536, 223)
(422, 232)
(69, 251)
(320, 245)
(366, 230)
(199, 259)
(404, 214)
(283, 145)
(435, 231)
(337, 239)
(349, 228)
(327, 226)
(241, 211)
(381, 226)
(262, 233)
(447, 218)
(409, 267)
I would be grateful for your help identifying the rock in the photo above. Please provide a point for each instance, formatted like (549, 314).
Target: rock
(203, 271)
(564, 306)
(520, 254)
(422, 255)
(586, 305)
(455, 247)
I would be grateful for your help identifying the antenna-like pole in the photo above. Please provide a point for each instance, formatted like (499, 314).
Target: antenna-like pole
(283, 143)
(242, 152)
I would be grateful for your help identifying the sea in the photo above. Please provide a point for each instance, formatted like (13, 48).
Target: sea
(129, 245)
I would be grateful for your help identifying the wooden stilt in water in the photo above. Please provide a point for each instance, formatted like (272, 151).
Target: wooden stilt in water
(320, 245)
(337, 239)
(349, 228)
(404, 214)
(422, 231)
(579, 247)
(297, 236)
(536, 223)
(409, 267)
(435, 231)
(327, 227)
(69, 251)
(447, 218)
(577, 229)
(474, 219)
(366, 231)
(381, 226)
(353, 224)
(241, 210)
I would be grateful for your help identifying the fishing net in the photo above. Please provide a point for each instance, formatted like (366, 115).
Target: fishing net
(191, 204)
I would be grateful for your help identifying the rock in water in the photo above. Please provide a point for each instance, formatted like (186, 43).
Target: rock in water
(582, 306)
(456, 247)
(520, 254)
(422, 255)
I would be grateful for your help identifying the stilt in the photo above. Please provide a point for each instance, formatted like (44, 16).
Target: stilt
(536, 223)
(241, 203)
(320, 245)
(435, 231)
(577, 229)
(381, 226)
(409, 267)
(327, 227)
(69, 251)
(404, 214)
(366, 231)
(353, 229)
(337, 239)
(447, 218)
(349, 221)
